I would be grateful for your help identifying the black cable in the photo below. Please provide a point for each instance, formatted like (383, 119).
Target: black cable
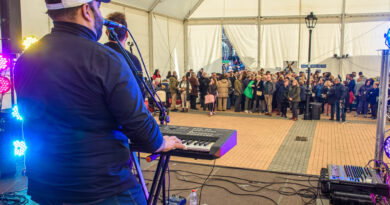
(201, 187)
(307, 193)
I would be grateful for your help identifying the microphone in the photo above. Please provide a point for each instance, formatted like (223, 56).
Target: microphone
(112, 24)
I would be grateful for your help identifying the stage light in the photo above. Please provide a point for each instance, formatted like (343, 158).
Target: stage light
(387, 147)
(387, 38)
(4, 63)
(5, 85)
(15, 113)
(28, 41)
(20, 148)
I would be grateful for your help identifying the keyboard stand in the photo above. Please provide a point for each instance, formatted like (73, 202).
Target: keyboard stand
(158, 179)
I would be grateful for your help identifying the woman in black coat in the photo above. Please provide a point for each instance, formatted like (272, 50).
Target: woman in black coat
(257, 94)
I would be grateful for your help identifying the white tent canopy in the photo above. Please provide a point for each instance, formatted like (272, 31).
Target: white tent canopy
(186, 34)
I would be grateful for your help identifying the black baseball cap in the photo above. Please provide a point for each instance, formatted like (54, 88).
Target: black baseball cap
(63, 4)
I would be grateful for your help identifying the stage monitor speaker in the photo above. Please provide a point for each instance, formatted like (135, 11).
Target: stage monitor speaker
(11, 26)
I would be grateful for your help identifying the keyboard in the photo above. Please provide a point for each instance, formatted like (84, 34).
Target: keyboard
(202, 143)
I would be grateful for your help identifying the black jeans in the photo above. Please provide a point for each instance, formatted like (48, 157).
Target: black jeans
(302, 106)
(374, 109)
(237, 105)
(284, 108)
(202, 95)
(332, 109)
(193, 101)
(294, 106)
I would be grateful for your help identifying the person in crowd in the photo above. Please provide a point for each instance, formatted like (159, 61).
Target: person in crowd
(302, 103)
(318, 89)
(204, 82)
(245, 82)
(200, 73)
(238, 93)
(173, 88)
(223, 92)
(169, 74)
(279, 96)
(231, 79)
(283, 92)
(359, 83)
(194, 91)
(185, 89)
(340, 93)
(294, 96)
(351, 91)
(363, 99)
(373, 95)
(257, 93)
(248, 92)
(156, 74)
(324, 93)
(212, 90)
(268, 94)
(331, 97)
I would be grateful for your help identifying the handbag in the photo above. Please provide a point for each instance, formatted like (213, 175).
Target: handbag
(259, 93)
(209, 99)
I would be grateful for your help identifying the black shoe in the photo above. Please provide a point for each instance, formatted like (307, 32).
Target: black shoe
(331, 119)
(174, 110)
(182, 110)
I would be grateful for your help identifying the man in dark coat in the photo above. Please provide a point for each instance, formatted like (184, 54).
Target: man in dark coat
(194, 91)
(81, 105)
(340, 94)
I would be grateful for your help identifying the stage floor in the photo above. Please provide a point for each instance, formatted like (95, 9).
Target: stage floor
(225, 186)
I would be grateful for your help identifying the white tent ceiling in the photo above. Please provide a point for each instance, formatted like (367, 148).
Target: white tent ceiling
(249, 8)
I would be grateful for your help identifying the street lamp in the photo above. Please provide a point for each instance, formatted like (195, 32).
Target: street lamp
(311, 21)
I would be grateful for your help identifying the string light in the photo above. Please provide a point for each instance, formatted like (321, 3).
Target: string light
(15, 113)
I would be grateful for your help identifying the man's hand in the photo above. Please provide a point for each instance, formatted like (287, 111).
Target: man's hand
(172, 143)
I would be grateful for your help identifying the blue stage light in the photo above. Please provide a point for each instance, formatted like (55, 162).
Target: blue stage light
(387, 37)
(20, 148)
(15, 113)
(387, 147)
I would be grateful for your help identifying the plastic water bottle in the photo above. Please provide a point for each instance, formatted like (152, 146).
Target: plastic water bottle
(193, 198)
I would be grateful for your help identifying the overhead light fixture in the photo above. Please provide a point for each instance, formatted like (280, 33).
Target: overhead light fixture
(28, 41)
(5, 85)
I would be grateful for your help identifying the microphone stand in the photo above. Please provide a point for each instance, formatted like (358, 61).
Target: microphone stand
(159, 176)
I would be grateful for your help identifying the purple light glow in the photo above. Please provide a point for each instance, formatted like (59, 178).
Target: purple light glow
(4, 63)
(5, 85)
(387, 147)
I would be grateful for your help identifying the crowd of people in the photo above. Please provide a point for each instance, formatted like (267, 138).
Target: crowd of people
(273, 93)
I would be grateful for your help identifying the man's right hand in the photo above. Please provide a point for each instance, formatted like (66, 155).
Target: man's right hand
(171, 143)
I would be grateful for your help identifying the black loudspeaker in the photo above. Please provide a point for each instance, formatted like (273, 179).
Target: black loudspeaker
(7, 134)
(11, 26)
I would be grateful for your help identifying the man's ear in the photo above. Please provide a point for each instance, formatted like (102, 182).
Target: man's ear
(87, 13)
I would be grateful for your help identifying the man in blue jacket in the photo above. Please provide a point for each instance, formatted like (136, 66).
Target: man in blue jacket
(81, 104)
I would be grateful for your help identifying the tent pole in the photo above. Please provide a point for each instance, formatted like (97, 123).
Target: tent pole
(150, 25)
(259, 35)
(342, 41)
(299, 36)
(185, 46)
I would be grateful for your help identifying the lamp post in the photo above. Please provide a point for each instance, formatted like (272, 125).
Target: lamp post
(311, 21)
